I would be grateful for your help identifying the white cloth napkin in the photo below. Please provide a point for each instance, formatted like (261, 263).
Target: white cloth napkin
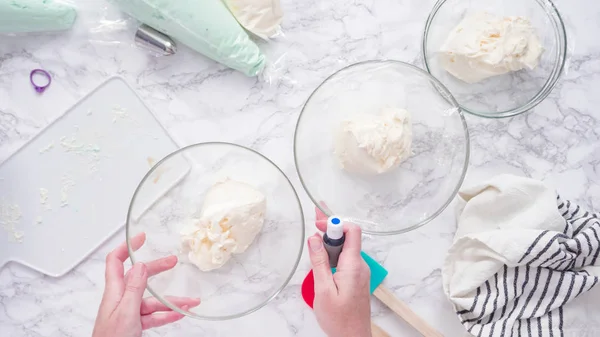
(520, 255)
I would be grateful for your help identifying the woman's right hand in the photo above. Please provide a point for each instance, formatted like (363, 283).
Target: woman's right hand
(342, 300)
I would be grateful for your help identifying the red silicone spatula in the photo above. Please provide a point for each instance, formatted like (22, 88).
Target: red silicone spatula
(308, 289)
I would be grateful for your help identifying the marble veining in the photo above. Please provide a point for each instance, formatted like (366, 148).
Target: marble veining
(198, 100)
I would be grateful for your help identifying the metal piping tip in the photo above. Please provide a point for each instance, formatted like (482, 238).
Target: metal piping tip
(154, 41)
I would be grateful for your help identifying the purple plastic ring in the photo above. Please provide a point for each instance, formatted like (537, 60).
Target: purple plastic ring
(44, 73)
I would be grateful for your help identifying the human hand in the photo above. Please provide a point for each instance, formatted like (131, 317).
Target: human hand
(342, 300)
(123, 312)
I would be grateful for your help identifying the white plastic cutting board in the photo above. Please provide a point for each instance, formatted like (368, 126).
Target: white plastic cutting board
(90, 161)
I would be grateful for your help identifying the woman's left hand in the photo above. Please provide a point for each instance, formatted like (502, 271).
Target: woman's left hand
(123, 311)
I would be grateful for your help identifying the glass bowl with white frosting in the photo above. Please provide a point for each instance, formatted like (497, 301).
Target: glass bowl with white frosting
(230, 216)
(498, 58)
(377, 145)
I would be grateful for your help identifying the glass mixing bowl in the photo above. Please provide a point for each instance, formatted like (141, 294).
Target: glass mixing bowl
(422, 186)
(173, 192)
(504, 95)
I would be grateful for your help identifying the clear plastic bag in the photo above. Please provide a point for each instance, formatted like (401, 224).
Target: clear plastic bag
(260, 17)
(27, 16)
(206, 26)
(211, 30)
(95, 18)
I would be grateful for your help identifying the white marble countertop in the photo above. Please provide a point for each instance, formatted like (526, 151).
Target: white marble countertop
(198, 100)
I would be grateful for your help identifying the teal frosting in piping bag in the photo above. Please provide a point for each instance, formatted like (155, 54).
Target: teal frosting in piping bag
(25, 16)
(206, 26)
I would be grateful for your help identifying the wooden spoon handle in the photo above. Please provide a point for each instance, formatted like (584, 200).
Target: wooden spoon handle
(401, 309)
(376, 331)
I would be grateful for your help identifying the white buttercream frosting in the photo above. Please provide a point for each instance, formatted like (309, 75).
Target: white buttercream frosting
(484, 45)
(261, 17)
(232, 215)
(374, 144)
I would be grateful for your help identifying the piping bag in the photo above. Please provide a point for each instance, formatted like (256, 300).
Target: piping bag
(260, 17)
(378, 274)
(206, 26)
(26, 16)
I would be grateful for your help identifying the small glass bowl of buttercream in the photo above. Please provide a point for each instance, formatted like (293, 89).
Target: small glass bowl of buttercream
(498, 58)
(230, 216)
(377, 145)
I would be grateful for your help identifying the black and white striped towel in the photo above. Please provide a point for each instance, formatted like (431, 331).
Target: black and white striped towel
(521, 253)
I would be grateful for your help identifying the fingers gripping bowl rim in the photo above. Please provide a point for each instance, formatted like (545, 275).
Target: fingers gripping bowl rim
(440, 146)
(250, 280)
